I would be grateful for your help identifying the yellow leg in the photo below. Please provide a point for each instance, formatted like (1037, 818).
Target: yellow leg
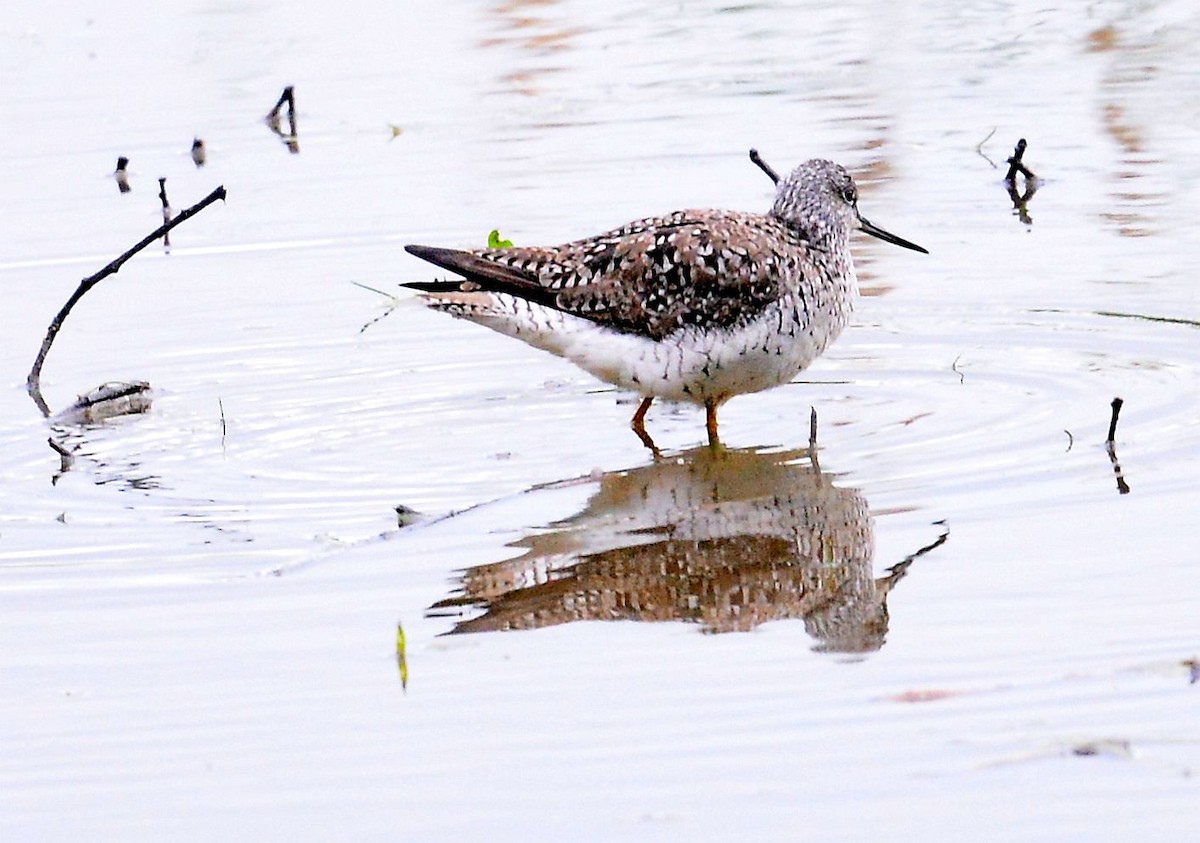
(710, 421)
(639, 424)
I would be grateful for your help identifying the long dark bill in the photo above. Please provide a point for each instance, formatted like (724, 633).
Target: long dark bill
(888, 237)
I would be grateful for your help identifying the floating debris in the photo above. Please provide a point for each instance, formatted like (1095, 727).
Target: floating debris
(1113, 748)
(406, 515)
(109, 400)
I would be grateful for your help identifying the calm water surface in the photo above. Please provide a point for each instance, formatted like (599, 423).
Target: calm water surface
(945, 621)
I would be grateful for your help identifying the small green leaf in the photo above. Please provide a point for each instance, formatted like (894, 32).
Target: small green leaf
(494, 241)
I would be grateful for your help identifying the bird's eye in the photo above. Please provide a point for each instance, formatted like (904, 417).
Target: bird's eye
(850, 194)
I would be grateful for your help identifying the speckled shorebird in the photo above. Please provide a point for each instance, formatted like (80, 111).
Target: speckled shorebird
(697, 305)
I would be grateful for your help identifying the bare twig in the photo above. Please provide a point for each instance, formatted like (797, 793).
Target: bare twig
(121, 175)
(1020, 199)
(166, 210)
(34, 382)
(1111, 446)
(1015, 164)
(291, 139)
(1117, 404)
(288, 97)
(764, 166)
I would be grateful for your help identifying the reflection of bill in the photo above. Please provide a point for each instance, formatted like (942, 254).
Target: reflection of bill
(726, 539)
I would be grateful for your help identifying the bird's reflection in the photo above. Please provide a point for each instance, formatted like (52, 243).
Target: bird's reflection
(725, 539)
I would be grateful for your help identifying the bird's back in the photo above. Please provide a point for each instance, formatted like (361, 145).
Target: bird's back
(698, 269)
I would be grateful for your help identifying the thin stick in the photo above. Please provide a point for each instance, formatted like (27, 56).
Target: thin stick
(288, 96)
(33, 383)
(764, 166)
(122, 175)
(1110, 445)
(1117, 403)
(1015, 164)
(291, 139)
(166, 210)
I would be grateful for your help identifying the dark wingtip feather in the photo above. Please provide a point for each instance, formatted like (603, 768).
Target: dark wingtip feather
(481, 273)
(445, 258)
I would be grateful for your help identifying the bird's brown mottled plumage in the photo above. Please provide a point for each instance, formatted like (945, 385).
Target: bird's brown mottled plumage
(697, 305)
(653, 277)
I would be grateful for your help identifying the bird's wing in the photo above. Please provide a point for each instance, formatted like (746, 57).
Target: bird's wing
(652, 277)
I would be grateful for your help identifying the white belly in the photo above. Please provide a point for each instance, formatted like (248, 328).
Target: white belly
(690, 365)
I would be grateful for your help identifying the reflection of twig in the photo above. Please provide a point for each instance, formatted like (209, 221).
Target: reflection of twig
(764, 166)
(1111, 447)
(395, 302)
(68, 458)
(812, 441)
(33, 383)
(979, 148)
(897, 571)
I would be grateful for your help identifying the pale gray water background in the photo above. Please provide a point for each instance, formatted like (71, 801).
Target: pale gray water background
(197, 624)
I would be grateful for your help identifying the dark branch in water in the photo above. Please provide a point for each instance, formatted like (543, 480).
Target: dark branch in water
(1020, 199)
(291, 139)
(1117, 404)
(1016, 165)
(1111, 447)
(166, 209)
(33, 383)
(764, 166)
(121, 174)
(288, 97)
